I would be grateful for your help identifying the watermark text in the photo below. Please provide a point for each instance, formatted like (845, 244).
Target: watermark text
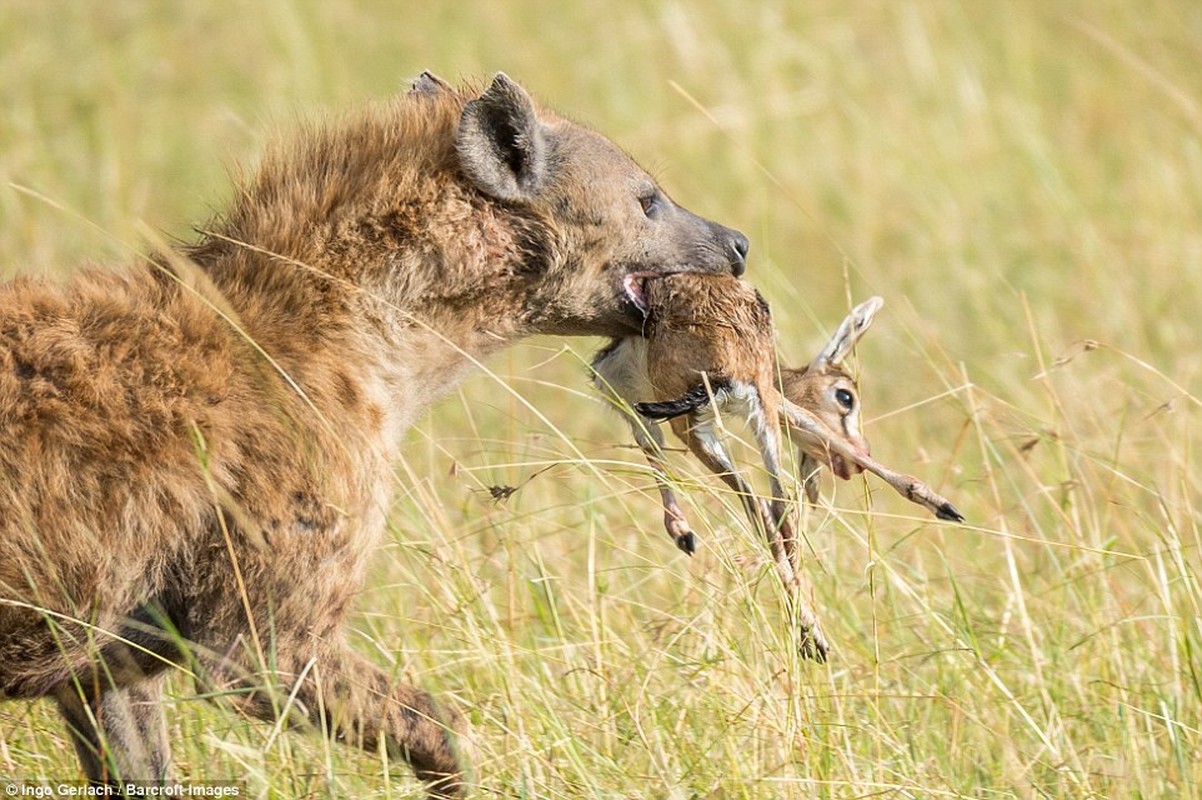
(50, 789)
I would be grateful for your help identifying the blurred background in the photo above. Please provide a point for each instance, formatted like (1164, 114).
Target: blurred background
(1021, 182)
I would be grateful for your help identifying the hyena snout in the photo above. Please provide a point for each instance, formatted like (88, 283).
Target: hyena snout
(739, 245)
(720, 249)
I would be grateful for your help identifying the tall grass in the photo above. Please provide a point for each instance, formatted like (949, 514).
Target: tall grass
(1022, 182)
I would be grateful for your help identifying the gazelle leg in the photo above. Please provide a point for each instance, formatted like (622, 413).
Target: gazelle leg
(694, 420)
(809, 468)
(813, 644)
(767, 436)
(620, 374)
(617, 384)
(650, 438)
(907, 486)
(714, 456)
(704, 443)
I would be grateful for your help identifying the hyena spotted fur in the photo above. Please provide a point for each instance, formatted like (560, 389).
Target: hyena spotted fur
(196, 449)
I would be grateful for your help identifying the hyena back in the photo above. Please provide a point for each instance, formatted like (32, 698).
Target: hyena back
(196, 451)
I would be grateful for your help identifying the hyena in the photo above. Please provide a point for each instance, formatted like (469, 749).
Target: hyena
(708, 353)
(196, 450)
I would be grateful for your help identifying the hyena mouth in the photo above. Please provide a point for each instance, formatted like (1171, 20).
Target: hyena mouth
(634, 285)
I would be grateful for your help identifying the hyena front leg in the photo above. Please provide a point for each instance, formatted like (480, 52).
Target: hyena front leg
(350, 699)
(120, 733)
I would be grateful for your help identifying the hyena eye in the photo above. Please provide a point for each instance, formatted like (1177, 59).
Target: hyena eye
(845, 399)
(650, 203)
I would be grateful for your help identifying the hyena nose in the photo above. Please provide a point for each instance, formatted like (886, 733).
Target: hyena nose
(738, 247)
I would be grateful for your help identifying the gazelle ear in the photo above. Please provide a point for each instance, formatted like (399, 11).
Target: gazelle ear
(501, 142)
(850, 331)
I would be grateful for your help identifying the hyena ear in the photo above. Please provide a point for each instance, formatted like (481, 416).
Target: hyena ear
(501, 144)
(428, 85)
(850, 331)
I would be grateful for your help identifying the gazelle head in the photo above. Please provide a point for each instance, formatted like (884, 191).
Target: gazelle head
(829, 392)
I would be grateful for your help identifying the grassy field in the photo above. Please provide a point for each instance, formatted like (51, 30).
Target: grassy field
(1021, 181)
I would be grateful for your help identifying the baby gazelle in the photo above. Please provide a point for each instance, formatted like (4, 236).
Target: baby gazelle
(708, 331)
(709, 353)
(722, 329)
(700, 335)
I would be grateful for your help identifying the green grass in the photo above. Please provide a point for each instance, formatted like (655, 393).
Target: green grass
(1021, 181)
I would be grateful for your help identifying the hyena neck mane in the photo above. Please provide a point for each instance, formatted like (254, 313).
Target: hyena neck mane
(360, 233)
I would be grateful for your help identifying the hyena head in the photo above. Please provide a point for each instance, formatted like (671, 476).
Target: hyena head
(611, 227)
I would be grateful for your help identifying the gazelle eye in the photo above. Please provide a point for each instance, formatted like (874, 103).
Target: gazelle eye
(845, 398)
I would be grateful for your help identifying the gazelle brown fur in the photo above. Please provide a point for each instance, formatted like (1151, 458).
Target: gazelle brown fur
(622, 372)
(708, 355)
(708, 352)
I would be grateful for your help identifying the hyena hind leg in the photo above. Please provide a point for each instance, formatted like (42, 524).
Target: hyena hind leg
(343, 695)
(121, 733)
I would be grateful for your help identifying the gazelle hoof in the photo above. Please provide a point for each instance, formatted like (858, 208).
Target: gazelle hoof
(949, 512)
(687, 542)
(814, 646)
